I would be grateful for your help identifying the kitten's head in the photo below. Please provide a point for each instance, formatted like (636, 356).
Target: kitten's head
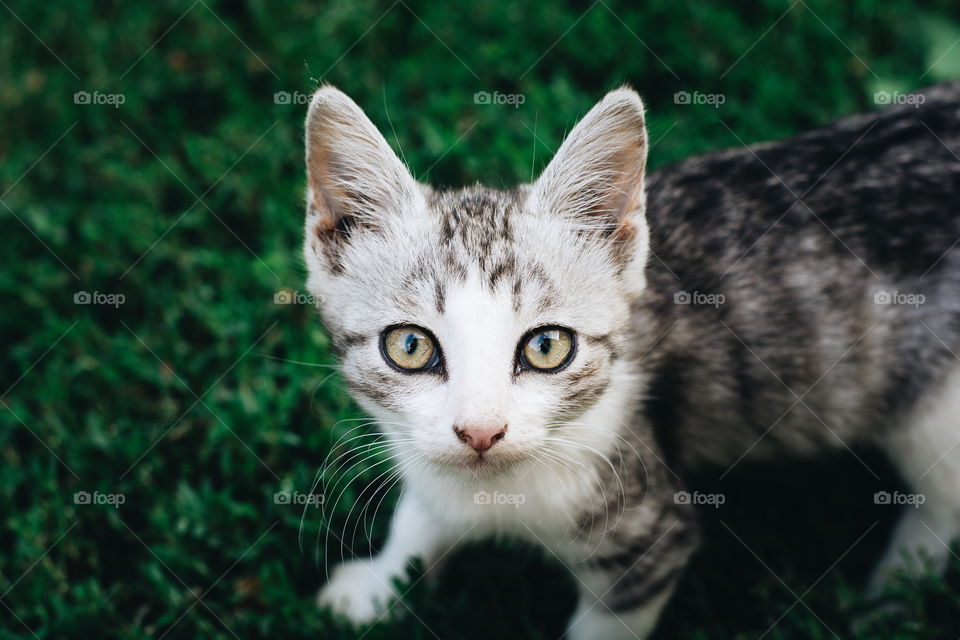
(482, 328)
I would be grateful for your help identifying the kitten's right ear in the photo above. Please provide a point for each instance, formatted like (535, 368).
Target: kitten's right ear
(354, 178)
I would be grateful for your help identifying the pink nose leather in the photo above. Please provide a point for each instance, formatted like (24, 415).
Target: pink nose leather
(480, 437)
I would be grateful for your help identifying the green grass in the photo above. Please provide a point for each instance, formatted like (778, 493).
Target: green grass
(187, 399)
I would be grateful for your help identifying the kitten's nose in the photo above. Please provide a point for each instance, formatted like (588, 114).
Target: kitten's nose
(480, 437)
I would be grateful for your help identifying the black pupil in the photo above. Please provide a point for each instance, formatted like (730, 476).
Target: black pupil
(411, 343)
(544, 343)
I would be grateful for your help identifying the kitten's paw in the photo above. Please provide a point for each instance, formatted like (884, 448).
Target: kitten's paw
(358, 592)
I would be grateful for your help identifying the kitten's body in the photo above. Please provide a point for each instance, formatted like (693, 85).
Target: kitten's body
(791, 355)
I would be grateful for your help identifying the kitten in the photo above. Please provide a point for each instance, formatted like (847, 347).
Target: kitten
(548, 361)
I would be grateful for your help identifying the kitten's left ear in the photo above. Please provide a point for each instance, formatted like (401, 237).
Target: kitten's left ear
(596, 179)
(355, 179)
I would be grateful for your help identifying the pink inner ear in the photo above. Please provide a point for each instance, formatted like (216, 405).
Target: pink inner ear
(331, 197)
(621, 196)
(628, 191)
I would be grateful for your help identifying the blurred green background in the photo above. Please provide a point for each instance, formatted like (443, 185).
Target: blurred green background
(154, 152)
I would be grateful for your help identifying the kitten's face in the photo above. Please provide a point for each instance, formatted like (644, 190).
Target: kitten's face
(480, 327)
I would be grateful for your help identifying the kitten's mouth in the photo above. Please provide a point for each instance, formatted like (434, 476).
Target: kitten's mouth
(479, 461)
(482, 464)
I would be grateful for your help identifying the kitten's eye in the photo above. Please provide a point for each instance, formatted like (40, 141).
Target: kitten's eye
(409, 348)
(547, 349)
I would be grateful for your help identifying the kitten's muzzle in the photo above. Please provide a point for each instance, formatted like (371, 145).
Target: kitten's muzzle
(480, 437)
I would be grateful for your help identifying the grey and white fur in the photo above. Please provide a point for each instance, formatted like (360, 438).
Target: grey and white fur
(819, 248)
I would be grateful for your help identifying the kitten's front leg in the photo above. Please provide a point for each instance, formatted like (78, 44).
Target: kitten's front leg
(363, 590)
(625, 584)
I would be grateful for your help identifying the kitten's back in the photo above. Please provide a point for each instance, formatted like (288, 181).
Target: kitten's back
(803, 238)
